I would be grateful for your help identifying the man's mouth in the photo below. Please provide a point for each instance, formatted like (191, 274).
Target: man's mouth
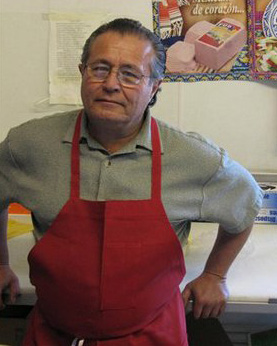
(107, 101)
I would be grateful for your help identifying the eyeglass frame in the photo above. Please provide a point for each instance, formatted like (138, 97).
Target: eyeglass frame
(116, 70)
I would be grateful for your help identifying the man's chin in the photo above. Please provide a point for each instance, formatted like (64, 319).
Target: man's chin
(110, 116)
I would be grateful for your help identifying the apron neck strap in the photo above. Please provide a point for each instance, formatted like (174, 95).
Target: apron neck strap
(75, 159)
(156, 160)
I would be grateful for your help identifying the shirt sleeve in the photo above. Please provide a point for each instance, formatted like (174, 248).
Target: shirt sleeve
(7, 175)
(231, 197)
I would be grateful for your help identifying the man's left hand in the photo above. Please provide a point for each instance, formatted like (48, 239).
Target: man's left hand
(209, 294)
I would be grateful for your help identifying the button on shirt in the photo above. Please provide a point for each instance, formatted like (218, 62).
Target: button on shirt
(199, 180)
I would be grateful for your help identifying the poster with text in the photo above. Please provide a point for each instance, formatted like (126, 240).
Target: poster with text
(207, 39)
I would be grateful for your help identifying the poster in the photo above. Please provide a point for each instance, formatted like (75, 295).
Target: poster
(216, 39)
(263, 40)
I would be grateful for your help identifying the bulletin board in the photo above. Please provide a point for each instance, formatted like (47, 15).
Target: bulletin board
(218, 40)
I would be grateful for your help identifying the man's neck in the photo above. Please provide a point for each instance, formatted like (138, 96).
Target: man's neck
(112, 137)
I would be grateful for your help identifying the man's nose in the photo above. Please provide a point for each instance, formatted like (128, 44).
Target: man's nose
(111, 83)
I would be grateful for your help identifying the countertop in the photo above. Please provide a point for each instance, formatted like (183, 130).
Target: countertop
(252, 279)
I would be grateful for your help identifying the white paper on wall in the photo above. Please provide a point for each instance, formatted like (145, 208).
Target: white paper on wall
(68, 33)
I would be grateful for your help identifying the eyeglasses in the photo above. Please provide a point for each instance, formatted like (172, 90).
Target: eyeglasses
(127, 76)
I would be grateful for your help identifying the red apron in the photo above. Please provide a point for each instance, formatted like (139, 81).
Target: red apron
(109, 271)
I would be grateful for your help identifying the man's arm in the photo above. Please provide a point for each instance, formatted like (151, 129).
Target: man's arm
(7, 277)
(209, 291)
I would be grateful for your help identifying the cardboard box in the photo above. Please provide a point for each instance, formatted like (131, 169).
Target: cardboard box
(268, 212)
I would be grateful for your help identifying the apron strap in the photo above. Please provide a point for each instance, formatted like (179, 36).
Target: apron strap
(156, 160)
(75, 160)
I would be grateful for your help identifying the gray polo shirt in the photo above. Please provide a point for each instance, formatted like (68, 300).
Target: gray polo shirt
(199, 180)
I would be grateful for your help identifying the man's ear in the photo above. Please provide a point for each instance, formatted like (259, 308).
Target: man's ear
(81, 68)
(156, 86)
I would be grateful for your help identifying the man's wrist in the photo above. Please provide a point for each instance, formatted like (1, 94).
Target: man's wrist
(221, 277)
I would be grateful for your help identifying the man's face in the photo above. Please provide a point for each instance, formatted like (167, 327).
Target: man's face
(108, 100)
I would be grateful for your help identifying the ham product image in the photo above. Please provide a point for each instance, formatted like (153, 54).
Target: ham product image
(197, 30)
(180, 57)
(219, 44)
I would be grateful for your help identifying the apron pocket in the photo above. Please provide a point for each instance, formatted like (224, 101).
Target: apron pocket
(120, 271)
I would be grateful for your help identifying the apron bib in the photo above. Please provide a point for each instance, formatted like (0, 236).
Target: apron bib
(109, 271)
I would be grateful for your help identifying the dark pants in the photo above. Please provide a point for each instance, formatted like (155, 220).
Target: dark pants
(206, 332)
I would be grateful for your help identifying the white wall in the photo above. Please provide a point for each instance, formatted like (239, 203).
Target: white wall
(240, 116)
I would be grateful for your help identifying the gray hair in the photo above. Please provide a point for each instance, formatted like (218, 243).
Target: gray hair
(129, 26)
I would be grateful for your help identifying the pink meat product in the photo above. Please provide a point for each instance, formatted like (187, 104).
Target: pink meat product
(198, 30)
(182, 68)
(180, 57)
(221, 43)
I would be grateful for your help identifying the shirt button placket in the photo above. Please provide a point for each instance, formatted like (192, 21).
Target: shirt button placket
(103, 179)
(108, 162)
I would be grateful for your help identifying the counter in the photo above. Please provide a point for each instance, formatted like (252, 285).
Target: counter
(252, 279)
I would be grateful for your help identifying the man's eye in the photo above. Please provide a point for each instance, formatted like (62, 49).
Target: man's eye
(130, 74)
(100, 68)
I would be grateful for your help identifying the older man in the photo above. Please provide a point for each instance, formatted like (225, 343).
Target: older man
(112, 192)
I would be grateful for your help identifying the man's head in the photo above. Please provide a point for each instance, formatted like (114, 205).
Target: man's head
(122, 68)
(125, 26)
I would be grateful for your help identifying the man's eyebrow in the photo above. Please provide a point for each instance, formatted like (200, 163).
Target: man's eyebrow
(130, 66)
(106, 62)
(100, 61)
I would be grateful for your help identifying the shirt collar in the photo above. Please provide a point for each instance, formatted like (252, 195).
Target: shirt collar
(142, 140)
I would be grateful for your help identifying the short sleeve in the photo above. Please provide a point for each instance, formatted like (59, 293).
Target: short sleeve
(7, 173)
(231, 197)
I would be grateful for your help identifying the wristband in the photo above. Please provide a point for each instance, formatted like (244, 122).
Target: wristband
(215, 274)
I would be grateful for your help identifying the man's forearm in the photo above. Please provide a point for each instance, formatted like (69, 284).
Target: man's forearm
(4, 255)
(209, 291)
(225, 250)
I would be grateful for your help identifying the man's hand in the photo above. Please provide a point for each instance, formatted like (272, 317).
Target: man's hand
(209, 291)
(8, 280)
(209, 294)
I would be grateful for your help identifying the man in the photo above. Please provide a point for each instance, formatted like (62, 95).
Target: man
(109, 188)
